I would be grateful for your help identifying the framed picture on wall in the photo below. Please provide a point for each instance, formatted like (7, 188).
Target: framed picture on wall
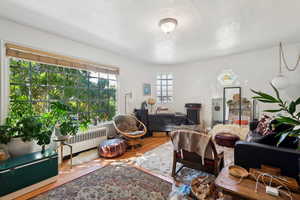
(147, 89)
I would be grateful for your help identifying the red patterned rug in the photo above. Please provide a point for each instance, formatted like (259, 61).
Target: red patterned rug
(113, 182)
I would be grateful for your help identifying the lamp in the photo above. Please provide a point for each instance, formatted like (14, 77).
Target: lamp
(168, 25)
(280, 81)
(151, 101)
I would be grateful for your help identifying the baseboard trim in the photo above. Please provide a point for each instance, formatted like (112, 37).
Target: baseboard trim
(30, 188)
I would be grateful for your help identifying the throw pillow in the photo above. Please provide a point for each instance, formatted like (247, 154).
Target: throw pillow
(263, 126)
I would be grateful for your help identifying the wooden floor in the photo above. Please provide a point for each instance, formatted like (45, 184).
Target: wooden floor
(66, 174)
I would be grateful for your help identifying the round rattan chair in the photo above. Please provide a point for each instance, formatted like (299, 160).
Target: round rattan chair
(130, 128)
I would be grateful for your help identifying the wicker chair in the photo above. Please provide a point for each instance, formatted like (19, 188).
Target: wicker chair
(130, 128)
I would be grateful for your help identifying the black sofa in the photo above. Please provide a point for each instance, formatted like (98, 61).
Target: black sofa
(251, 154)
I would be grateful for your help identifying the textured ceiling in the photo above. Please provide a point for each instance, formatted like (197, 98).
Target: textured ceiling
(206, 28)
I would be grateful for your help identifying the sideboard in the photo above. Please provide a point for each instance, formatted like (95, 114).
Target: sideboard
(23, 174)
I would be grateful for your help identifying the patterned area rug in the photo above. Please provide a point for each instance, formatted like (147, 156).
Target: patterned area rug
(158, 160)
(113, 182)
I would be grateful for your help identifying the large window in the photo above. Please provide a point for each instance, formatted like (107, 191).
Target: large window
(164, 87)
(90, 94)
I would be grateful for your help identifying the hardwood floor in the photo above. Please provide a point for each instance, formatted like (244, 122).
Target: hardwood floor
(66, 174)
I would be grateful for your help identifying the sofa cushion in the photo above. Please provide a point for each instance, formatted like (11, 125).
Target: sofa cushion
(263, 126)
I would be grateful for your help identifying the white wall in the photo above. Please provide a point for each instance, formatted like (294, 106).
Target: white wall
(132, 73)
(197, 82)
(193, 82)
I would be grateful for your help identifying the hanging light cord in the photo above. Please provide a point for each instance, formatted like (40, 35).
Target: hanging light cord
(282, 58)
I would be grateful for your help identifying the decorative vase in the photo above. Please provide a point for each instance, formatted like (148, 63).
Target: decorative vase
(17, 147)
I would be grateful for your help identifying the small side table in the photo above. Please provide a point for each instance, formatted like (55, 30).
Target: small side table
(62, 143)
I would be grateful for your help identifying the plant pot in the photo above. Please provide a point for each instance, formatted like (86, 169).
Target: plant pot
(16, 147)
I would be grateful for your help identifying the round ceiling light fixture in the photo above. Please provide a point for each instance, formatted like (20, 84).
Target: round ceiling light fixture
(168, 25)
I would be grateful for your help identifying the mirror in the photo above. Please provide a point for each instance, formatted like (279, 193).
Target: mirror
(232, 105)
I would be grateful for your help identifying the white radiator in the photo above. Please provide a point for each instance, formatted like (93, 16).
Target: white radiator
(86, 140)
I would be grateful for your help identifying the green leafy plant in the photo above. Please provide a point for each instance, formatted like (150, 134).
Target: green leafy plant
(24, 123)
(291, 117)
(20, 122)
(61, 114)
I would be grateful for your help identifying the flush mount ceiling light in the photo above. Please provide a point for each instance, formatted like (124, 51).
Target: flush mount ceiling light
(168, 25)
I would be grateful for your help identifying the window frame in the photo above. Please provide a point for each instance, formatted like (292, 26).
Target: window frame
(164, 87)
(67, 72)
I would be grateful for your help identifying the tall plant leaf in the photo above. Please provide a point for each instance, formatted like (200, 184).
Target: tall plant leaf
(273, 111)
(264, 96)
(297, 102)
(282, 137)
(276, 92)
(292, 107)
(288, 120)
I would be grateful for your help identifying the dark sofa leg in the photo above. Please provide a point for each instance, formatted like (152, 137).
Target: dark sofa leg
(174, 164)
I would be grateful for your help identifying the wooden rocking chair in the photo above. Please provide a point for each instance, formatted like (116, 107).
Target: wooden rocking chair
(130, 129)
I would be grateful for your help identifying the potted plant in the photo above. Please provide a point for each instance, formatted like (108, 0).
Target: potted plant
(60, 115)
(288, 113)
(20, 129)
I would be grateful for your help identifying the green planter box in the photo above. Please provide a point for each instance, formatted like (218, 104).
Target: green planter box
(21, 172)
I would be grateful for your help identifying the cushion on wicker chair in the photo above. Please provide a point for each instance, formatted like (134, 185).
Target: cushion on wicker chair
(135, 133)
(112, 148)
(126, 123)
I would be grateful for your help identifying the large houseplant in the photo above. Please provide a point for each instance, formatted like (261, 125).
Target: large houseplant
(20, 129)
(23, 126)
(288, 113)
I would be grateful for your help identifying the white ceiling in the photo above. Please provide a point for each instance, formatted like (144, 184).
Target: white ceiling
(206, 28)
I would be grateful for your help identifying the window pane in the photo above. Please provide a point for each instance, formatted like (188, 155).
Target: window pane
(112, 84)
(93, 82)
(93, 94)
(40, 107)
(19, 75)
(70, 93)
(55, 93)
(19, 92)
(93, 74)
(83, 94)
(39, 92)
(104, 76)
(112, 77)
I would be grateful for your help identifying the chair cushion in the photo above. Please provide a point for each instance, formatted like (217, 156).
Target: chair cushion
(112, 148)
(136, 133)
(126, 123)
(226, 139)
